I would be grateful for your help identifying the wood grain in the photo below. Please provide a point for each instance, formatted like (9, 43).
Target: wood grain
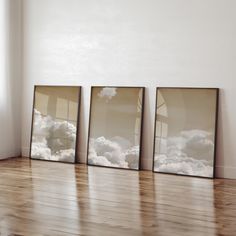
(44, 198)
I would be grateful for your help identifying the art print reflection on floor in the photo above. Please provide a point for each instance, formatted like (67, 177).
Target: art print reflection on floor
(115, 127)
(54, 128)
(185, 131)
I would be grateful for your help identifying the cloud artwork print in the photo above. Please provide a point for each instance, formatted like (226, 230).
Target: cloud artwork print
(54, 128)
(115, 127)
(185, 132)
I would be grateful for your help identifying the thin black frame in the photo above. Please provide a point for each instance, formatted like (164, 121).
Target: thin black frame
(77, 124)
(215, 136)
(141, 127)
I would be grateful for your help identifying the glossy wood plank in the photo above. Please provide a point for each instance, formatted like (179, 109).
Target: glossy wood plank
(45, 198)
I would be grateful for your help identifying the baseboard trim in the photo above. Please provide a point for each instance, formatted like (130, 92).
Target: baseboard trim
(226, 172)
(8, 155)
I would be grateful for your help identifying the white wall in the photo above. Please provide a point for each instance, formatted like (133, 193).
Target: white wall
(10, 78)
(134, 43)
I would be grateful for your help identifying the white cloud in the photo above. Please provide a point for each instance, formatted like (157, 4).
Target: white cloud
(123, 143)
(66, 133)
(132, 157)
(110, 153)
(67, 155)
(107, 149)
(198, 144)
(94, 159)
(183, 165)
(107, 93)
(53, 140)
(42, 125)
(191, 153)
(39, 149)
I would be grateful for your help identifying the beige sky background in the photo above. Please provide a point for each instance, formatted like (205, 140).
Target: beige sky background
(186, 109)
(60, 102)
(116, 112)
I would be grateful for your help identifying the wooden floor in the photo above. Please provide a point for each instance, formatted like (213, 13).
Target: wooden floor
(44, 198)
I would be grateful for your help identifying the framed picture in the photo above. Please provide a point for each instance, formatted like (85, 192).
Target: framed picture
(115, 127)
(55, 123)
(185, 131)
